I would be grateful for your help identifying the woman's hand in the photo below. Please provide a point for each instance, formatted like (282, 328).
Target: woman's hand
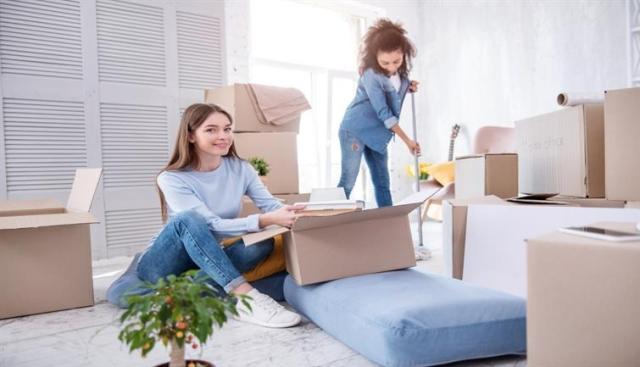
(284, 216)
(414, 147)
(413, 86)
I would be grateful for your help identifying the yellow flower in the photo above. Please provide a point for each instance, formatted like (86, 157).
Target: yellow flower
(179, 334)
(423, 167)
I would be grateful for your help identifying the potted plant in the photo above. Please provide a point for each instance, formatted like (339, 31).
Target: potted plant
(181, 312)
(261, 166)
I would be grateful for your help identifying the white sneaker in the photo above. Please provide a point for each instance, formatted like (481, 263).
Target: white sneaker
(266, 312)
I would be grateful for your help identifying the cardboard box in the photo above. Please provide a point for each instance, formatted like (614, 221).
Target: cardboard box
(495, 252)
(583, 300)
(454, 228)
(487, 174)
(235, 100)
(45, 251)
(563, 152)
(280, 151)
(248, 207)
(318, 249)
(455, 221)
(622, 134)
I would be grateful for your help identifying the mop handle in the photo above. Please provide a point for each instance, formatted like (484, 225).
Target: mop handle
(415, 138)
(416, 166)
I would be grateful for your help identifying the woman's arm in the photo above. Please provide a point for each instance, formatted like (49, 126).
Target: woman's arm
(374, 88)
(413, 145)
(180, 197)
(259, 193)
(273, 211)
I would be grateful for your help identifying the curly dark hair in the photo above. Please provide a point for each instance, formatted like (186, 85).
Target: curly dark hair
(386, 36)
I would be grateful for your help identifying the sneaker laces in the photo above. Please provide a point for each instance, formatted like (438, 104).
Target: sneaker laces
(267, 303)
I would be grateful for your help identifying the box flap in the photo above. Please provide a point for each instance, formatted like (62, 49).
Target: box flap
(482, 155)
(45, 220)
(417, 197)
(271, 231)
(83, 189)
(490, 199)
(469, 156)
(306, 223)
(28, 207)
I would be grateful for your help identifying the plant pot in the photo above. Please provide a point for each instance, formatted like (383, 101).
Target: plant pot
(198, 362)
(263, 179)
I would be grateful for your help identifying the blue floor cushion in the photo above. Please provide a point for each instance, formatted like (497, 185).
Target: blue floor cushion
(409, 318)
(129, 284)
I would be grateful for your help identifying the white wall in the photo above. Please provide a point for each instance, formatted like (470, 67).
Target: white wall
(490, 62)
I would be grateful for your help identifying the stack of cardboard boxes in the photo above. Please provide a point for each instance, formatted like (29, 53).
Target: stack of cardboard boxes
(276, 144)
(580, 292)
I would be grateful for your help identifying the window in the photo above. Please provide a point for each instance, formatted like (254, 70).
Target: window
(314, 48)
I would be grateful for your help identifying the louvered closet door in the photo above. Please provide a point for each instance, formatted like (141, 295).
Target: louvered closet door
(42, 111)
(101, 83)
(147, 53)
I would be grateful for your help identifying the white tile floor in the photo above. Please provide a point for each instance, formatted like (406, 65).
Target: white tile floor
(88, 336)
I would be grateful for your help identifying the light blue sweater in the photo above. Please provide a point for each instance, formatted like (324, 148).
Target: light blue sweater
(217, 196)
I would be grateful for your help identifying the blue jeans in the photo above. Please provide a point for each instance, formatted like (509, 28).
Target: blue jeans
(186, 243)
(352, 150)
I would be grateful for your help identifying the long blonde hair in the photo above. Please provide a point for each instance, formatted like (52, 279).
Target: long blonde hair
(184, 154)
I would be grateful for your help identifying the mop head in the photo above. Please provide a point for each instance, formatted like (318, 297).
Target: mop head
(422, 253)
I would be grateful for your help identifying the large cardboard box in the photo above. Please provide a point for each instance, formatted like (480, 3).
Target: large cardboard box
(622, 134)
(487, 174)
(454, 228)
(45, 251)
(563, 152)
(495, 252)
(248, 207)
(280, 151)
(318, 249)
(583, 300)
(235, 100)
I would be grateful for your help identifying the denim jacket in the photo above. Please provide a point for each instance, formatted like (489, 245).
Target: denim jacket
(374, 110)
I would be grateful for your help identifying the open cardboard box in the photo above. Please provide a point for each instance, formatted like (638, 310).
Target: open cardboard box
(45, 251)
(495, 252)
(454, 230)
(318, 249)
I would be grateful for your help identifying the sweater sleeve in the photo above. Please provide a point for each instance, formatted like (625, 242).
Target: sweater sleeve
(180, 197)
(375, 91)
(256, 190)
